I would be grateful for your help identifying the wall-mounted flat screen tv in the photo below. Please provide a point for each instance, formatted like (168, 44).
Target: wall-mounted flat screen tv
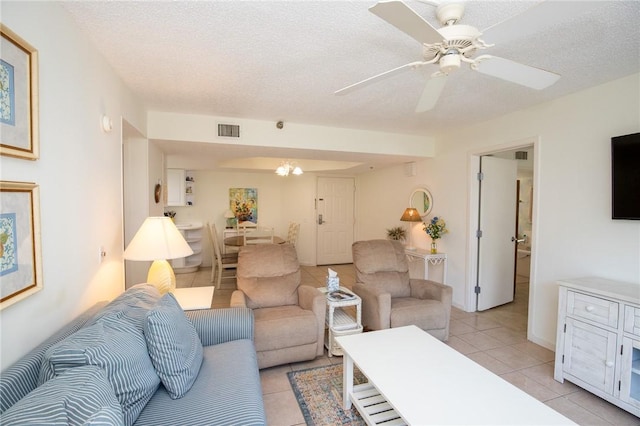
(625, 177)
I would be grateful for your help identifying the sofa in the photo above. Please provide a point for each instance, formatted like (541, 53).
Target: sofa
(289, 317)
(139, 360)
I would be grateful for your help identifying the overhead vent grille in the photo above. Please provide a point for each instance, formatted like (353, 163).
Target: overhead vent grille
(521, 155)
(229, 130)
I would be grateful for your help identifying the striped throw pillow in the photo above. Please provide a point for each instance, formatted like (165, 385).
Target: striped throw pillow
(174, 346)
(79, 396)
(117, 346)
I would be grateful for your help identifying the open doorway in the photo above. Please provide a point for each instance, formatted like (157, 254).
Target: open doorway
(520, 236)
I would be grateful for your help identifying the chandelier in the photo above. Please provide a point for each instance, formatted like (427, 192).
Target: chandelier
(287, 168)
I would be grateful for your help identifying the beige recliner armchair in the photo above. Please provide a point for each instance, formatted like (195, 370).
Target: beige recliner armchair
(390, 298)
(289, 317)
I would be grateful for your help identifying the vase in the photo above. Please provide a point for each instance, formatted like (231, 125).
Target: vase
(434, 247)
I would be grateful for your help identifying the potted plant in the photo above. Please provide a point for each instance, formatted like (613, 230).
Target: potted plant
(397, 233)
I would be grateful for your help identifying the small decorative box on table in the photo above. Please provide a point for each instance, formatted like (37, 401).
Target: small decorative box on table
(338, 321)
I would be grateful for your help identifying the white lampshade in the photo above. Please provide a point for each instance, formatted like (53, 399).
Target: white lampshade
(158, 239)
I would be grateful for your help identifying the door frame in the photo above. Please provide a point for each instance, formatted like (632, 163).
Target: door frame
(473, 211)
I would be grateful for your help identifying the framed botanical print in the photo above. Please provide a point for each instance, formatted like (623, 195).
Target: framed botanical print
(20, 259)
(18, 97)
(243, 202)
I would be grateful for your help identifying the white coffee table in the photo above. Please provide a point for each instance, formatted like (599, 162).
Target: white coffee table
(425, 382)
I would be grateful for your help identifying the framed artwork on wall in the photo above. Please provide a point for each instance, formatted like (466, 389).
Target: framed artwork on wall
(243, 202)
(20, 258)
(18, 97)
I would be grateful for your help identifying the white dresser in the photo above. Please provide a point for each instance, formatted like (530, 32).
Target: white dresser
(598, 340)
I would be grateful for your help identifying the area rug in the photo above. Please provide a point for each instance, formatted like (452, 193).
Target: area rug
(319, 394)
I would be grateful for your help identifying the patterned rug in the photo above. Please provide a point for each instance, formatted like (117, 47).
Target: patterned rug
(319, 394)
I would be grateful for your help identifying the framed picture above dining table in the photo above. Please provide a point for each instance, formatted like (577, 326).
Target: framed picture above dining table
(243, 202)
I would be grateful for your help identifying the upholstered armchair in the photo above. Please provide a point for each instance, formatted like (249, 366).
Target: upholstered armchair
(289, 317)
(390, 298)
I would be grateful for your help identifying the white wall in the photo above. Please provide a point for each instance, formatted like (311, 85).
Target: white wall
(203, 128)
(143, 169)
(573, 232)
(79, 173)
(280, 200)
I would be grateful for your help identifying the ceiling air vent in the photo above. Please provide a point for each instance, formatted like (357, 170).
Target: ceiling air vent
(521, 155)
(229, 130)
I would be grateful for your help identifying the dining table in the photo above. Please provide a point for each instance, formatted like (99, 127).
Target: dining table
(238, 241)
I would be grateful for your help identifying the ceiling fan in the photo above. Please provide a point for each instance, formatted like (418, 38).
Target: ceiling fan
(454, 44)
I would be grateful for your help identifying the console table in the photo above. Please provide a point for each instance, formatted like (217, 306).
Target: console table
(424, 258)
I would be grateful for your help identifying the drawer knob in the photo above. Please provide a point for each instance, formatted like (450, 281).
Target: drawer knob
(609, 364)
(589, 308)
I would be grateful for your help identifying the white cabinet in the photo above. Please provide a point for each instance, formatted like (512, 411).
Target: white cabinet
(598, 341)
(630, 389)
(180, 187)
(192, 233)
(176, 187)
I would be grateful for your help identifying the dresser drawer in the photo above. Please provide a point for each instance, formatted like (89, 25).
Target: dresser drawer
(598, 310)
(632, 320)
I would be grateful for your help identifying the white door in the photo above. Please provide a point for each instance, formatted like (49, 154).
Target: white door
(334, 220)
(497, 223)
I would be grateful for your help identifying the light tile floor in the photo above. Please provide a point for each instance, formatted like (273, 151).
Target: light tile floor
(495, 339)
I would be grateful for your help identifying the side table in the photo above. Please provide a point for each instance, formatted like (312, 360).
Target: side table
(192, 298)
(339, 322)
(426, 258)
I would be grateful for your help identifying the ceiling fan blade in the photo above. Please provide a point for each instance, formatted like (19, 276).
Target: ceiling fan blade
(407, 20)
(544, 14)
(382, 76)
(518, 73)
(431, 93)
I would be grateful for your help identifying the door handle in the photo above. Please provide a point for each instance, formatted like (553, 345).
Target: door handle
(320, 222)
(515, 240)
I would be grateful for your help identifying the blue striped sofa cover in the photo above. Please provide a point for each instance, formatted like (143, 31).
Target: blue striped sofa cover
(227, 390)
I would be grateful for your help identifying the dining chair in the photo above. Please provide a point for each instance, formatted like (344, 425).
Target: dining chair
(258, 235)
(292, 234)
(219, 261)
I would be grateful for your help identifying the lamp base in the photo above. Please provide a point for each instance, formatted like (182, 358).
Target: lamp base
(161, 276)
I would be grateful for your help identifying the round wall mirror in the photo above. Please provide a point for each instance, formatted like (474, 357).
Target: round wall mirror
(422, 201)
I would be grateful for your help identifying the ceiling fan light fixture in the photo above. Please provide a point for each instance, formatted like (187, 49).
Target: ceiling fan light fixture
(450, 62)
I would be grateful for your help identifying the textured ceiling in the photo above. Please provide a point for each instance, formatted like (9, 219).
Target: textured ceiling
(282, 60)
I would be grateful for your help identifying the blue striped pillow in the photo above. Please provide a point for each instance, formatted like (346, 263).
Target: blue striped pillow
(119, 347)
(79, 396)
(174, 346)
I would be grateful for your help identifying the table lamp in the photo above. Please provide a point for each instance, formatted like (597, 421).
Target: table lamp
(411, 215)
(158, 239)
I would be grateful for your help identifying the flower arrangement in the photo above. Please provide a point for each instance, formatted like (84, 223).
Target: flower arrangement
(398, 233)
(436, 228)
